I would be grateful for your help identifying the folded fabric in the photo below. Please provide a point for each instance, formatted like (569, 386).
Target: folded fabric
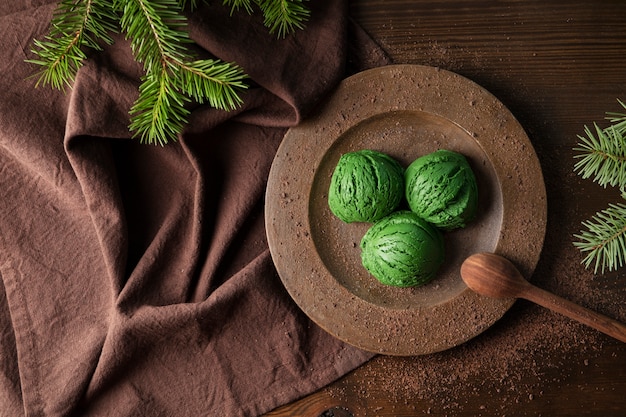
(136, 280)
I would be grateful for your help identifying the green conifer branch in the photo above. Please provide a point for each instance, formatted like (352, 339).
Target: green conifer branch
(157, 30)
(617, 119)
(602, 157)
(604, 241)
(75, 24)
(159, 113)
(215, 81)
(236, 5)
(284, 16)
(280, 16)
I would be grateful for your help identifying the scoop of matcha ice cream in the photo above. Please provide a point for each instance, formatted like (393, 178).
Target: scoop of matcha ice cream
(441, 188)
(402, 250)
(365, 186)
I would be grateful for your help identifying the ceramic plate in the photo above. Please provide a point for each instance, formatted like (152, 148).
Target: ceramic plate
(405, 111)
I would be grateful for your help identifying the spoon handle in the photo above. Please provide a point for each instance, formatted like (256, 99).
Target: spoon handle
(574, 311)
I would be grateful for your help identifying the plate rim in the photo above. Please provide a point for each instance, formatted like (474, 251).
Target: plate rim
(287, 210)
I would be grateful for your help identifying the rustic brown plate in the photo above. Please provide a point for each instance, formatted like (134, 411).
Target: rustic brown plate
(405, 111)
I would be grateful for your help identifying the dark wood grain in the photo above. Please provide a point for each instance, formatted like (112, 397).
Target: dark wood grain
(557, 66)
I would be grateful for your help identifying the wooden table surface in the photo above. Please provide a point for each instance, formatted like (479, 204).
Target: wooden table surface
(557, 66)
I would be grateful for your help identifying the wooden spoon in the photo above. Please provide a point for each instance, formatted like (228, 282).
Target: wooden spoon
(494, 276)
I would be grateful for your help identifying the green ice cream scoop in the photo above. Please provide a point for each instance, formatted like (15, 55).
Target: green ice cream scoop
(402, 250)
(365, 186)
(441, 188)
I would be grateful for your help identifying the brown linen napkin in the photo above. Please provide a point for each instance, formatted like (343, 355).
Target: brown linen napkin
(136, 280)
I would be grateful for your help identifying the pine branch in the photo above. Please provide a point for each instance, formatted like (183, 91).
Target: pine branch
(602, 156)
(157, 41)
(157, 30)
(159, 113)
(213, 81)
(280, 16)
(75, 24)
(284, 16)
(604, 241)
(236, 5)
(618, 120)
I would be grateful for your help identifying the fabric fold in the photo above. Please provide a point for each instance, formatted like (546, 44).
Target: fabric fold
(136, 280)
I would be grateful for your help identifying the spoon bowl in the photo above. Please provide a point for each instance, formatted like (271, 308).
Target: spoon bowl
(492, 275)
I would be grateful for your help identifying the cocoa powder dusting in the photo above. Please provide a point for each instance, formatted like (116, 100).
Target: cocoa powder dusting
(514, 361)
(510, 363)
